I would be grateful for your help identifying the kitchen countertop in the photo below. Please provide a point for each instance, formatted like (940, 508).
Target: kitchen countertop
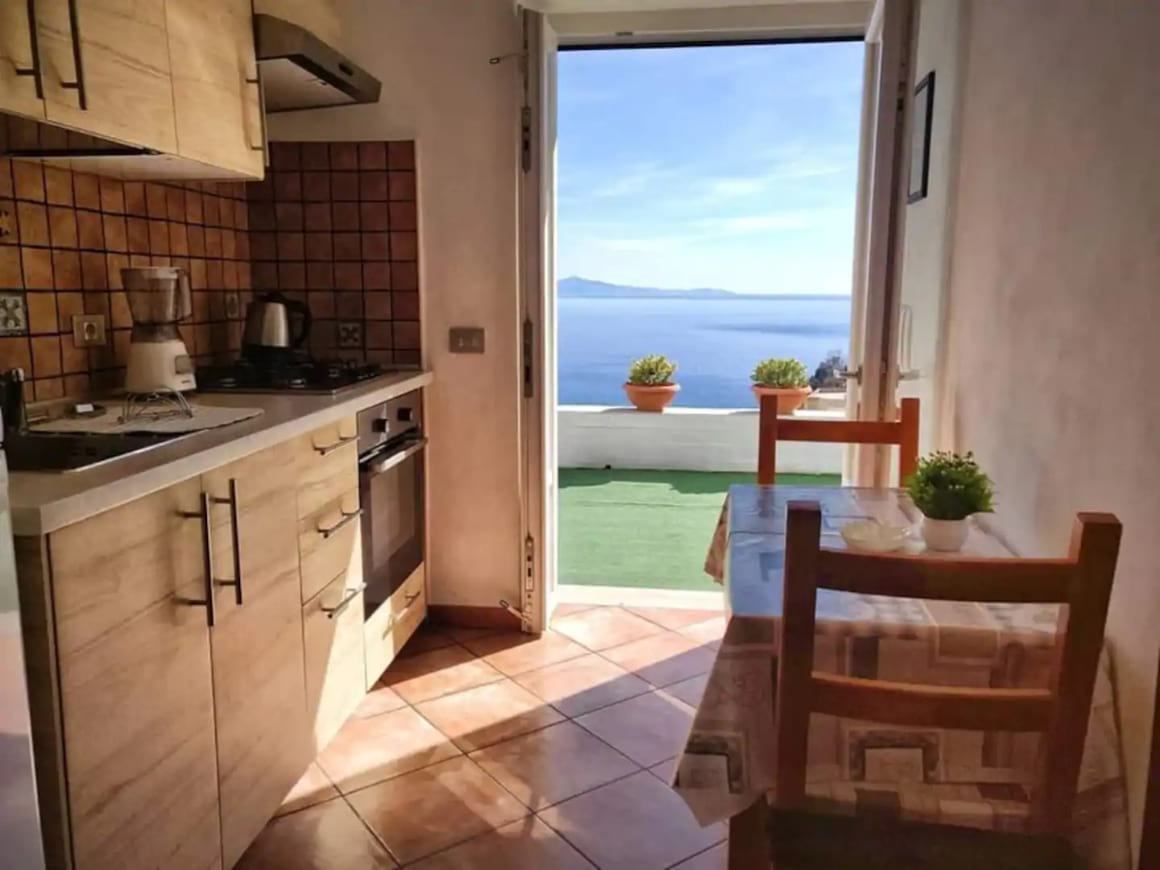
(43, 502)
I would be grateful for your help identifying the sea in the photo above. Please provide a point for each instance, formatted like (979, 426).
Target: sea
(715, 343)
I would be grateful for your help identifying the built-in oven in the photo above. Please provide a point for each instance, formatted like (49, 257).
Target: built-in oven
(391, 460)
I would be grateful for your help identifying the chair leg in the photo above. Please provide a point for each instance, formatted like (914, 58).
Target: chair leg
(748, 842)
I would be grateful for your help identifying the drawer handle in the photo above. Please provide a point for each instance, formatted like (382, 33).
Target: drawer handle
(346, 519)
(341, 442)
(396, 618)
(351, 595)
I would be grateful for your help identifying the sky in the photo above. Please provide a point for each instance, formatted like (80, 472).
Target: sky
(732, 167)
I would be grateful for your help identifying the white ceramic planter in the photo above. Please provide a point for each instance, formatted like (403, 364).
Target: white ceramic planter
(946, 536)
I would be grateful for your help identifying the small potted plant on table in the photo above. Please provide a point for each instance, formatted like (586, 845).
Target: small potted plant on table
(948, 488)
(650, 384)
(785, 378)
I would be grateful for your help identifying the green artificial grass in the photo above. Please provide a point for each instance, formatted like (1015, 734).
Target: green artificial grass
(646, 528)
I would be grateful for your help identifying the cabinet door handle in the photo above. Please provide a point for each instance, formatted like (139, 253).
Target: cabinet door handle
(396, 618)
(236, 533)
(341, 442)
(256, 81)
(346, 518)
(207, 556)
(78, 84)
(351, 595)
(34, 47)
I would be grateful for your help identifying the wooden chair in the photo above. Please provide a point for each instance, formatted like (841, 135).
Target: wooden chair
(771, 429)
(1082, 582)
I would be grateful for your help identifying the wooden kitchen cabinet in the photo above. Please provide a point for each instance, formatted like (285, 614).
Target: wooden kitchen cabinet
(263, 729)
(18, 93)
(136, 695)
(120, 51)
(335, 667)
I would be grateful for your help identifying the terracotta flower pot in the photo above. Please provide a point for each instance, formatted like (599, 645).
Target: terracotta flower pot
(945, 536)
(650, 398)
(789, 399)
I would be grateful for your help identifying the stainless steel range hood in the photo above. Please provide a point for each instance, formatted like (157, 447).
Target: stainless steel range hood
(300, 71)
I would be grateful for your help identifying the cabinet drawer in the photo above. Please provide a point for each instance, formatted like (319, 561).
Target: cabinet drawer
(330, 544)
(328, 464)
(335, 677)
(392, 625)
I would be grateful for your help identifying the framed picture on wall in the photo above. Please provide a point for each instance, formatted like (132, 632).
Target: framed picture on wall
(920, 139)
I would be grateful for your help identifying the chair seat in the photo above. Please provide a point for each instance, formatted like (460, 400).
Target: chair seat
(802, 840)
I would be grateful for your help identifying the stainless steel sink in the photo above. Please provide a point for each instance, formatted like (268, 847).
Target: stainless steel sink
(56, 452)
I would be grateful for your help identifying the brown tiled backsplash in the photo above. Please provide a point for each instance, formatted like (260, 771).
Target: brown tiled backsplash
(334, 225)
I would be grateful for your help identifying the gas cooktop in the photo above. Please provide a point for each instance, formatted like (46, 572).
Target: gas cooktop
(312, 376)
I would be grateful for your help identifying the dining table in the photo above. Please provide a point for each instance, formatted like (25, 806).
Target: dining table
(975, 779)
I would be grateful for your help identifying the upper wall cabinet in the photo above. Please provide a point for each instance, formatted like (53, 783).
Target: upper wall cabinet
(21, 89)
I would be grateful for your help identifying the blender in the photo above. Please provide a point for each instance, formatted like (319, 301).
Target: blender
(158, 359)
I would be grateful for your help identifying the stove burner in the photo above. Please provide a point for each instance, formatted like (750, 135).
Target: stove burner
(299, 374)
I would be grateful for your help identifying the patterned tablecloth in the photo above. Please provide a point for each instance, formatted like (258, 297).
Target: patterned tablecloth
(956, 777)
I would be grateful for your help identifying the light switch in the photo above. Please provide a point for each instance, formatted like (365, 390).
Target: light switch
(467, 339)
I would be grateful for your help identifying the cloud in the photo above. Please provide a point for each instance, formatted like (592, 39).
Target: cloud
(634, 181)
(794, 219)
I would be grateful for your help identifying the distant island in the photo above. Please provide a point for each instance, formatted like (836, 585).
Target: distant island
(575, 287)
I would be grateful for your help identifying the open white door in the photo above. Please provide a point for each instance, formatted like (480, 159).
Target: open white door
(538, 301)
(870, 393)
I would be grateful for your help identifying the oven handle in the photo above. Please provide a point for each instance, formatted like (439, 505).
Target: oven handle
(380, 464)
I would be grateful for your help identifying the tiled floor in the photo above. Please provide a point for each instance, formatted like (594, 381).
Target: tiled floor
(483, 750)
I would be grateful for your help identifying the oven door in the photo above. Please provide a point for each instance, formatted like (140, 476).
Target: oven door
(391, 496)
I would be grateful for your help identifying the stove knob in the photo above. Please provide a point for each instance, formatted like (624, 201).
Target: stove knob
(380, 426)
(406, 415)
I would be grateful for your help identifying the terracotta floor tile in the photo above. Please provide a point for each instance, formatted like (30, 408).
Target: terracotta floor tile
(439, 672)
(648, 729)
(428, 810)
(662, 659)
(380, 699)
(665, 770)
(553, 764)
(581, 685)
(604, 627)
(488, 714)
(325, 837)
(514, 652)
(313, 788)
(367, 751)
(636, 823)
(690, 690)
(673, 618)
(425, 639)
(528, 844)
(563, 610)
(708, 633)
(716, 858)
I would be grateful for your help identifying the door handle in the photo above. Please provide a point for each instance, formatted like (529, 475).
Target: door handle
(855, 375)
(34, 48)
(263, 146)
(207, 557)
(910, 375)
(78, 84)
(236, 533)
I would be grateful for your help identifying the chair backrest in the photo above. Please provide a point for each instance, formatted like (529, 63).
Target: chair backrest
(771, 429)
(1082, 581)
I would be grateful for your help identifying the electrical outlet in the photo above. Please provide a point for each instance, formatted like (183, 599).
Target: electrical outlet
(13, 314)
(350, 334)
(88, 329)
(467, 339)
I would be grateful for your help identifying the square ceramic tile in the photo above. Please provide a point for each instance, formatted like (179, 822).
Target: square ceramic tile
(690, 690)
(563, 610)
(673, 618)
(380, 699)
(581, 685)
(428, 810)
(604, 627)
(553, 764)
(716, 858)
(666, 769)
(313, 788)
(708, 633)
(439, 672)
(488, 714)
(528, 844)
(366, 751)
(662, 659)
(326, 837)
(648, 729)
(425, 639)
(636, 823)
(514, 652)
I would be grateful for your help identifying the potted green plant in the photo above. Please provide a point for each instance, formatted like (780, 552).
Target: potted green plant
(650, 384)
(785, 378)
(948, 488)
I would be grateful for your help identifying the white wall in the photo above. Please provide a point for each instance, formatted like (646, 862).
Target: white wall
(1055, 297)
(690, 439)
(438, 88)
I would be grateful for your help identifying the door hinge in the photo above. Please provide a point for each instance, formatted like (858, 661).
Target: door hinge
(526, 138)
(528, 350)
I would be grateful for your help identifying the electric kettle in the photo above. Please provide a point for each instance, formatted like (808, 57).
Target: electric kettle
(275, 325)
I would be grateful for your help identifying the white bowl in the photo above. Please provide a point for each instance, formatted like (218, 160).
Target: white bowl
(873, 536)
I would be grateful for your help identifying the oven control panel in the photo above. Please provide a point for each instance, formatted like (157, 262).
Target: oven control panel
(396, 419)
